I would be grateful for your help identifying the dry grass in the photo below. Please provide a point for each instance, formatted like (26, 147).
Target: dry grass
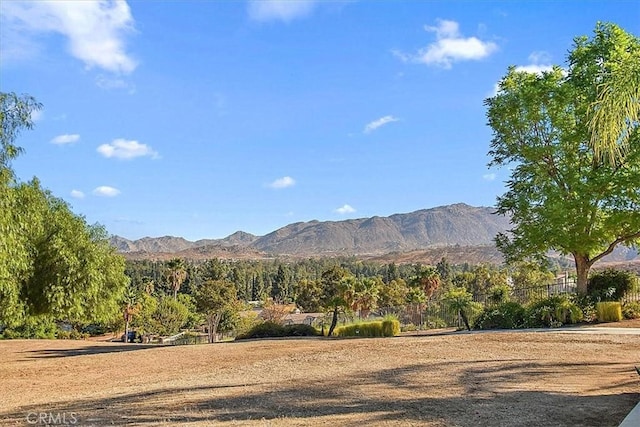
(488, 379)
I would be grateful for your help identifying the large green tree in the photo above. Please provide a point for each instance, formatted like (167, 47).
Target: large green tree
(561, 195)
(52, 263)
(213, 298)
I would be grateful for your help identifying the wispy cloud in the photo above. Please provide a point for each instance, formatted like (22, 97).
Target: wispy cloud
(450, 46)
(370, 127)
(106, 191)
(489, 176)
(346, 209)
(77, 194)
(126, 149)
(539, 62)
(280, 10)
(36, 115)
(284, 182)
(66, 139)
(96, 31)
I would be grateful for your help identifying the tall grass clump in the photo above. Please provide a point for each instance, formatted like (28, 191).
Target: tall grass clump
(379, 328)
(609, 311)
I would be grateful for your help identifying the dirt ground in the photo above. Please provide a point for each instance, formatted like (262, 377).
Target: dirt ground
(478, 379)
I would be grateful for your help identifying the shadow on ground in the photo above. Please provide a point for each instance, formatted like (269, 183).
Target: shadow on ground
(487, 397)
(84, 351)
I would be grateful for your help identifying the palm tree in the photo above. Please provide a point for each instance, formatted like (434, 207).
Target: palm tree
(176, 274)
(616, 112)
(461, 301)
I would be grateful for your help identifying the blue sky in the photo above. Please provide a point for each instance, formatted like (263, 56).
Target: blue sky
(201, 118)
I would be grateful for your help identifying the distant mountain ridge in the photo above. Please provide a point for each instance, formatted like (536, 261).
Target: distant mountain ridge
(457, 224)
(457, 231)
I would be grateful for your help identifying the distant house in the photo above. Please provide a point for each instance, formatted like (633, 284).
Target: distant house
(302, 318)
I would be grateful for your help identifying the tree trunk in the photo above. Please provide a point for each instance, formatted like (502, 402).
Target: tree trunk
(465, 320)
(213, 321)
(126, 329)
(334, 321)
(583, 265)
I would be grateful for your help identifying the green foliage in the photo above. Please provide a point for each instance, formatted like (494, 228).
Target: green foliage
(380, 328)
(506, 315)
(559, 195)
(609, 311)
(631, 310)
(275, 330)
(499, 294)
(390, 327)
(299, 330)
(216, 299)
(610, 284)
(554, 311)
(52, 263)
(170, 316)
(39, 327)
(527, 274)
(461, 301)
(15, 116)
(587, 306)
(264, 330)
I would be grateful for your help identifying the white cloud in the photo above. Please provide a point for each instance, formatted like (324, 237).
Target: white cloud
(126, 149)
(346, 209)
(284, 182)
(77, 194)
(539, 57)
(95, 29)
(280, 10)
(450, 46)
(370, 127)
(36, 115)
(106, 191)
(66, 139)
(489, 176)
(111, 83)
(534, 68)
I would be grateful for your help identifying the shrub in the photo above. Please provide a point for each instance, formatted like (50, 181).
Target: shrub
(39, 327)
(498, 294)
(609, 311)
(264, 330)
(588, 307)
(409, 327)
(552, 311)
(610, 285)
(631, 310)
(300, 331)
(390, 327)
(380, 328)
(435, 322)
(508, 315)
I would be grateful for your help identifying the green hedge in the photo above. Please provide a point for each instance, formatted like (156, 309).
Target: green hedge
(380, 328)
(609, 311)
(508, 315)
(272, 330)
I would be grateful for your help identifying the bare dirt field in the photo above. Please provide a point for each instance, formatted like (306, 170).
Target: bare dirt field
(479, 379)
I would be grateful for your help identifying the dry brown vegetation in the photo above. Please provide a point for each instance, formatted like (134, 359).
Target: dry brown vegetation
(479, 379)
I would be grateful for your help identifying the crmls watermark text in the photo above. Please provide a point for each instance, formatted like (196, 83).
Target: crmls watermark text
(52, 418)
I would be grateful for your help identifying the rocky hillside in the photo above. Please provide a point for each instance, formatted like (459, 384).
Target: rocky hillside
(460, 232)
(451, 225)
(458, 224)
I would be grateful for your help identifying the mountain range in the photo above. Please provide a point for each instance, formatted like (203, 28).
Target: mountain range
(461, 232)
